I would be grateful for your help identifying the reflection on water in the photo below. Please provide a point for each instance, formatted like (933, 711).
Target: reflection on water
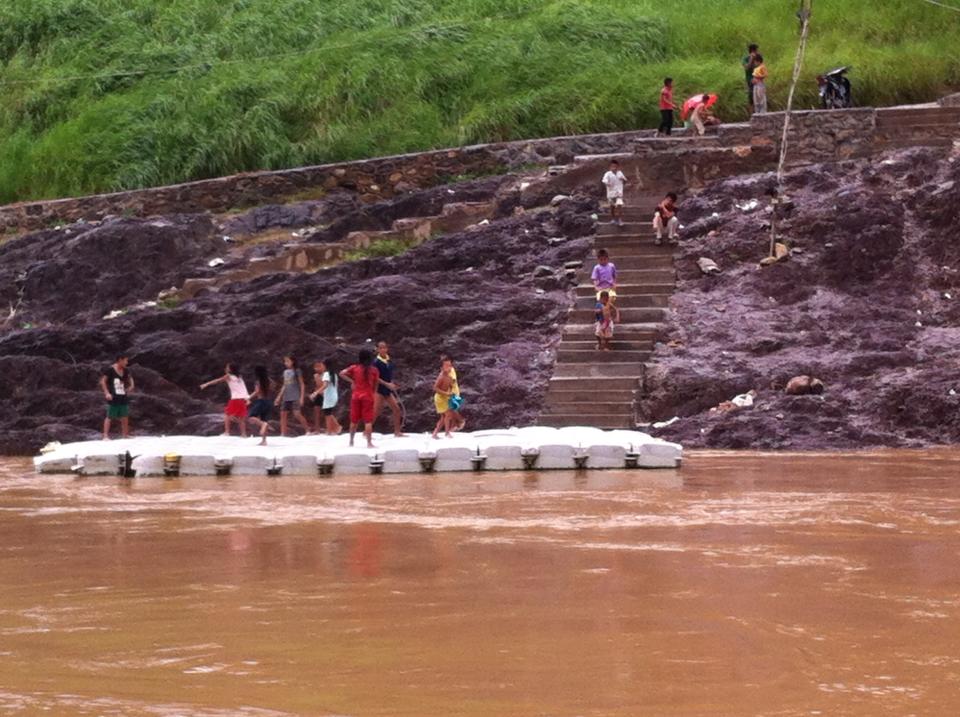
(743, 584)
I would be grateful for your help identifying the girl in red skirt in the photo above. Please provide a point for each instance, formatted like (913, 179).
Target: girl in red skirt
(236, 409)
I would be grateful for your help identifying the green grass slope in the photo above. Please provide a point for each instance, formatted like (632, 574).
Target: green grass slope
(99, 95)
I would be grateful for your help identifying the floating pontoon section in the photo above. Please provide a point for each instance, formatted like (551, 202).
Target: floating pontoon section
(536, 448)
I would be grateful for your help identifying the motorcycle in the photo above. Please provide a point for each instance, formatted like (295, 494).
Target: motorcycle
(835, 92)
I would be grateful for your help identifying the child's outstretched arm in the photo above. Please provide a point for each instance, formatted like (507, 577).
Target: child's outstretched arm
(213, 382)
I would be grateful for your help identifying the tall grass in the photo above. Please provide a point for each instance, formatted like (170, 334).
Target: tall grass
(355, 78)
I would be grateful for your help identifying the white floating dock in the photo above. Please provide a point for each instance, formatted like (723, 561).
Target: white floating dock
(535, 448)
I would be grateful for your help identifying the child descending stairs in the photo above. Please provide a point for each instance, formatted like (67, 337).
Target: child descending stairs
(599, 388)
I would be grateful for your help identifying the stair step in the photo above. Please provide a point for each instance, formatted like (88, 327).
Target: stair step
(630, 289)
(590, 384)
(638, 340)
(633, 213)
(907, 143)
(633, 369)
(613, 409)
(643, 261)
(620, 246)
(919, 122)
(617, 345)
(637, 253)
(560, 421)
(647, 143)
(639, 277)
(888, 113)
(585, 396)
(625, 332)
(615, 243)
(634, 228)
(628, 315)
(625, 238)
(586, 158)
(595, 356)
(628, 301)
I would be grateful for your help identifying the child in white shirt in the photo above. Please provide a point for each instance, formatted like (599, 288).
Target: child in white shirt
(614, 180)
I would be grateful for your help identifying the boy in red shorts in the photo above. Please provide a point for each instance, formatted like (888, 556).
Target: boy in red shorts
(365, 379)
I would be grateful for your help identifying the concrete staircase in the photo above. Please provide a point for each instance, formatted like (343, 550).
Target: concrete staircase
(598, 388)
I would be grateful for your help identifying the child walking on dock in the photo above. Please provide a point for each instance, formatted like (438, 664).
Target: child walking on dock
(291, 395)
(260, 403)
(364, 379)
(236, 409)
(326, 396)
(447, 399)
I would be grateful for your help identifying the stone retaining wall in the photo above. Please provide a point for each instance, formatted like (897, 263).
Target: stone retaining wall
(815, 136)
(819, 135)
(373, 179)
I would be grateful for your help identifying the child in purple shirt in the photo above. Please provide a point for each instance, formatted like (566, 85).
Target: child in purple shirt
(604, 275)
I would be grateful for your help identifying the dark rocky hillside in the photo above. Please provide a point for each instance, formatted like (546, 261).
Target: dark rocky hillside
(869, 302)
(472, 294)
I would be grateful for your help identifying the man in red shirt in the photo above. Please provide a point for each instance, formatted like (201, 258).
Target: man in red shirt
(666, 108)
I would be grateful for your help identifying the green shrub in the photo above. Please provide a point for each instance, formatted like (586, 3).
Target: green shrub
(380, 249)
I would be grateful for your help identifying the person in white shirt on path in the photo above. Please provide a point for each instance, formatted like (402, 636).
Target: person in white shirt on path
(614, 180)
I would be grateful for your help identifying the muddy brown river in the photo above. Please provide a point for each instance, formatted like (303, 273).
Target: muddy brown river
(743, 584)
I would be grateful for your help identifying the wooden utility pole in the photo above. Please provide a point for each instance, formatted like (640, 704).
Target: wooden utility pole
(806, 10)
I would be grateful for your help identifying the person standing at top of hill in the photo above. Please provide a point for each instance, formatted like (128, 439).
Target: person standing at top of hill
(604, 276)
(666, 108)
(614, 180)
(385, 365)
(749, 65)
(116, 382)
(760, 87)
(236, 409)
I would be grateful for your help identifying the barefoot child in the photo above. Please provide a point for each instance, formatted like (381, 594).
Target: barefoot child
(364, 379)
(604, 275)
(607, 316)
(326, 396)
(614, 180)
(117, 385)
(291, 395)
(260, 403)
(447, 400)
(666, 218)
(236, 410)
(385, 365)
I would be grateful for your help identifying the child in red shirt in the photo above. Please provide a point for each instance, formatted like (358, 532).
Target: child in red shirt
(666, 108)
(365, 379)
